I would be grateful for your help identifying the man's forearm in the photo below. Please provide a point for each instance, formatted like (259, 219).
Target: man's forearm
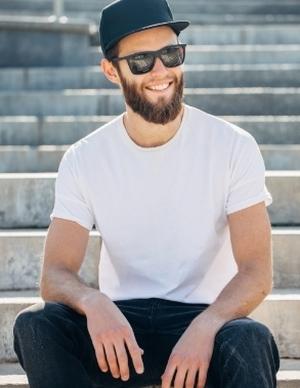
(238, 299)
(66, 287)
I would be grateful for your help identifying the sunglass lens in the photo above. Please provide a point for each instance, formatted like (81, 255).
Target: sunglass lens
(173, 56)
(141, 63)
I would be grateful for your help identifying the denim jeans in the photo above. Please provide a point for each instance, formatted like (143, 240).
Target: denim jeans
(54, 348)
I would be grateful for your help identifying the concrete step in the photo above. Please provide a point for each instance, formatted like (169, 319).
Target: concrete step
(31, 159)
(196, 76)
(270, 129)
(12, 375)
(279, 311)
(232, 54)
(23, 42)
(34, 130)
(218, 101)
(246, 34)
(289, 7)
(34, 195)
(22, 250)
(235, 34)
(227, 18)
(195, 18)
(281, 157)
(207, 19)
(60, 130)
(46, 158)
(215, 7)
(43, 4)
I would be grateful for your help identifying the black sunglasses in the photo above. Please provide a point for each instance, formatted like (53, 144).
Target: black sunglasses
(143, 62)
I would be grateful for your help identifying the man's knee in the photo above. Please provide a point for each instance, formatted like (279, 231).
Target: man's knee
(34, 321)
(25, 331)
(245, 354)
(245, 338)
(24, 321)
(245, 330)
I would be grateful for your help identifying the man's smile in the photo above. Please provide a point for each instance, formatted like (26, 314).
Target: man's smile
(160, 87)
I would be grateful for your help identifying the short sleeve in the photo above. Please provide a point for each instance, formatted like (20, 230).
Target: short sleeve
(69, 201)
(247, 176)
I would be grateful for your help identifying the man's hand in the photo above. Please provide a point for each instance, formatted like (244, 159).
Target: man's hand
(109, 331)
(191, 354)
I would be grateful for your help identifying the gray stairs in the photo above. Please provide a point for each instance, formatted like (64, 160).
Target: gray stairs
(200, 12)
(243, 64)
(43, 158)
(196, 76)
(12, 375)
(218, 101)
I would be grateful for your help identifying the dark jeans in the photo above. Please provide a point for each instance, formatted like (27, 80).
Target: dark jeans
(54, 348)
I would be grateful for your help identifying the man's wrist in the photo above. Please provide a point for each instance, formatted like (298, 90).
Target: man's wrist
(90, 298)
(211, 319)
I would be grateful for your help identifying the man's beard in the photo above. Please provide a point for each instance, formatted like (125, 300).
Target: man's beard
(158, 113)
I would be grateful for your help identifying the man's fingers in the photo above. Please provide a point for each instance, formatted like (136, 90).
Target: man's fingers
(168, 375)
(136, 354)
(100, 355)
(191, 377)
(122, 359)
(202, 375)
(112, 359)
(180, 377)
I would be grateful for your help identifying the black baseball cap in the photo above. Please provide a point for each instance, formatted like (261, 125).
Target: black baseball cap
(125, 17)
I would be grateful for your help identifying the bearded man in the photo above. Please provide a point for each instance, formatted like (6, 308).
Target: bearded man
(179, 199)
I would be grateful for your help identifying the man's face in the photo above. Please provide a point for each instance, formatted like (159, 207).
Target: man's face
(157, 95)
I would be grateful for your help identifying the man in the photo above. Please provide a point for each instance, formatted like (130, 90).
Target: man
(179, 199)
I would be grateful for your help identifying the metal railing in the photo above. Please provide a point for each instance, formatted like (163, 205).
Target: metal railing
(58, 9)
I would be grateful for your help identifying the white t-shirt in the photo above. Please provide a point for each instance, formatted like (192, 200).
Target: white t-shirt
(162, 211)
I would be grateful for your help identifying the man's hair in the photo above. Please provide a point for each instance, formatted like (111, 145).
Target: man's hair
(112, 52)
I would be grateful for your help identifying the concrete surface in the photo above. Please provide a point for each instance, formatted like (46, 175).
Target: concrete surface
(23, 42)
(22, 255)
(218, 101)
(61, 130)
(46, 158)
(26, 199)
(196, 76)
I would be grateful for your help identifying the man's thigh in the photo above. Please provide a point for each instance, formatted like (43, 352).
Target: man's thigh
(63, 335)
(157, 325)
(171, 321)
(137, 318)
(239, 342)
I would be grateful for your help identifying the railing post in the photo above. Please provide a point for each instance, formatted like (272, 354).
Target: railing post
(58, 8)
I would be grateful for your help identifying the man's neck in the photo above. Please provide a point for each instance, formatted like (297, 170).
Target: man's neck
(147, 134)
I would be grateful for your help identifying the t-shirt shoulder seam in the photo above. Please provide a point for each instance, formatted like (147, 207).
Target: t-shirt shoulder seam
(100, 131)
(235, 129)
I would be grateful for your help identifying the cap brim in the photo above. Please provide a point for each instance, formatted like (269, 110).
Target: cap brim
(177, 26)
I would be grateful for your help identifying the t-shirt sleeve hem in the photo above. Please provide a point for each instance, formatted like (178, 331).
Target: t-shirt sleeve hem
(251, 201)
(72, 218)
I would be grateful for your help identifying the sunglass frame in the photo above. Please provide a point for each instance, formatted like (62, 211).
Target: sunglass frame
(155, 54)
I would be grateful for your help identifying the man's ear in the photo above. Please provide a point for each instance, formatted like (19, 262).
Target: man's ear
(109, 71)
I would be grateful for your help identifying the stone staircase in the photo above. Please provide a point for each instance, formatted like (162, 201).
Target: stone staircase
(199, 12)
(243, 63)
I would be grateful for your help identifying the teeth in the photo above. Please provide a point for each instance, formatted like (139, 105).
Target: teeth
(159, 87)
